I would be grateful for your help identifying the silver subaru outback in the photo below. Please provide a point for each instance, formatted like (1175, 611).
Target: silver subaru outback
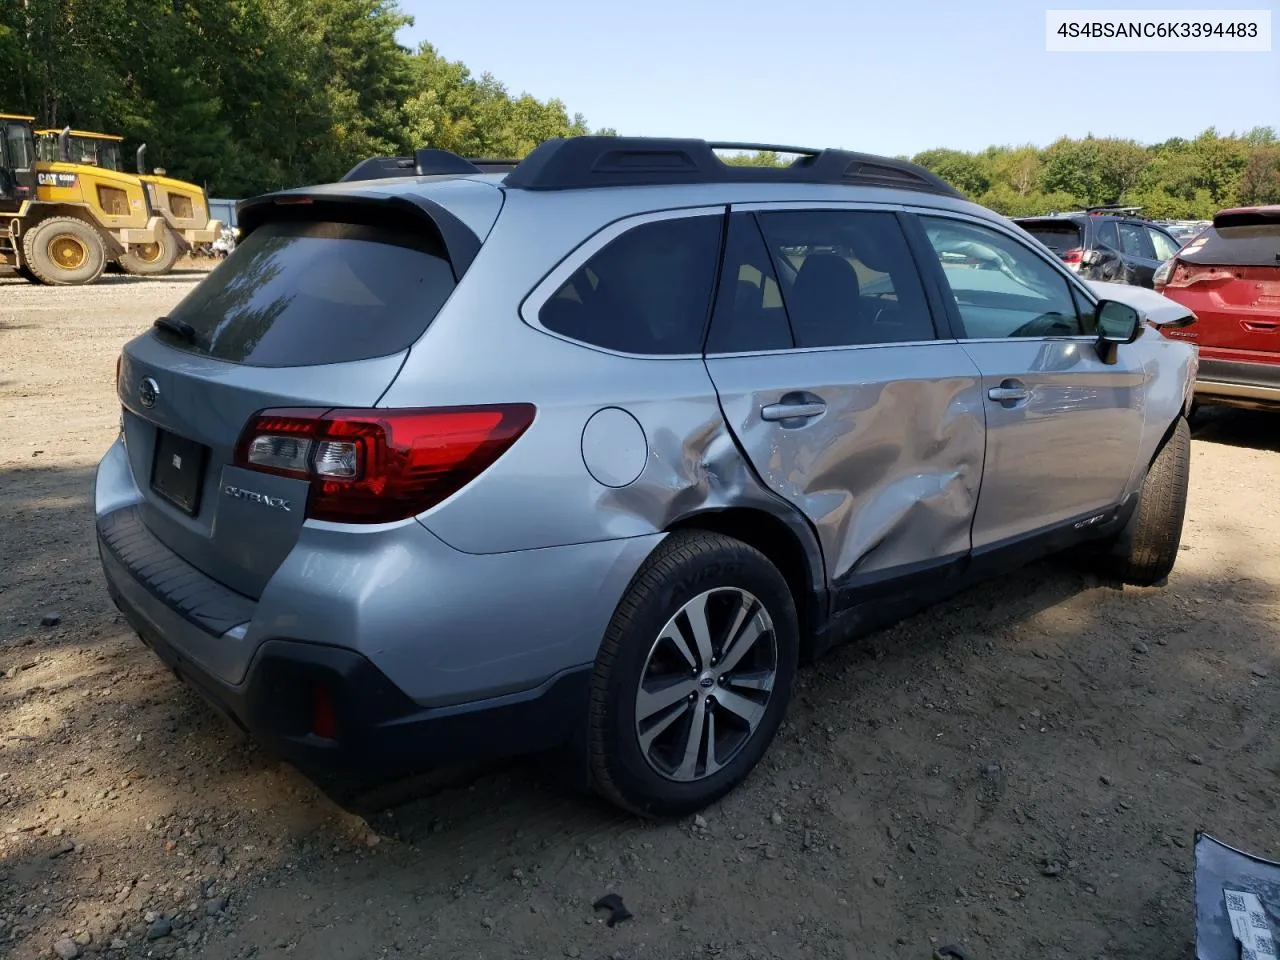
(590, 453)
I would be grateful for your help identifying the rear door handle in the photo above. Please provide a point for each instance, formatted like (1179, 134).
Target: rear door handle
(794, 408)
(1009, 391)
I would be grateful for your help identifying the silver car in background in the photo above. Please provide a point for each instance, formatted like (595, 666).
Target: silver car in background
(591, 453)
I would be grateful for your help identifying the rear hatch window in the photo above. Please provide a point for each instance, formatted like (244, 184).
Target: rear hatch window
(1058, 235)
(301, 293)
(1238, 239)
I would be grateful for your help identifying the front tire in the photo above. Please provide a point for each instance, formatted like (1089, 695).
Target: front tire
(693, 677)
(64, 251)
(1147, 548)
(151, 259)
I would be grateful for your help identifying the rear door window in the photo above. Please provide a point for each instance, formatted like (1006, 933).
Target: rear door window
(749, 315)
(847, 278)
(304, 293)
(646, 292)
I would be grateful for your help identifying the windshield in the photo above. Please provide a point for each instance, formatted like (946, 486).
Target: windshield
(89, 151)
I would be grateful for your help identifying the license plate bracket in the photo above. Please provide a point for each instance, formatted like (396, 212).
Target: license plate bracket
(177, 470)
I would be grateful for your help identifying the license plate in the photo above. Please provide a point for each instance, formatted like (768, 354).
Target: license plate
(177, 472)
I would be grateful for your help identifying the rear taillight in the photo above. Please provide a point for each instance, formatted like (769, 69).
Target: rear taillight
(1073, 256)
(376, 466)
(1161, 276)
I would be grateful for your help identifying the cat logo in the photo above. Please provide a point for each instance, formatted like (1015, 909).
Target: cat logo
(56, 179)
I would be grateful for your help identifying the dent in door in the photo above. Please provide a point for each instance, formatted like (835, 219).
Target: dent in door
(890, 473)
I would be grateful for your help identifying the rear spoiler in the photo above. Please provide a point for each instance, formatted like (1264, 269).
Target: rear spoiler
(1247, 217)
(459, 241)
(424, 163)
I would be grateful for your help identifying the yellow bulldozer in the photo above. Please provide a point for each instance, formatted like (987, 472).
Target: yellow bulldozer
(184, 206)
(66, 214)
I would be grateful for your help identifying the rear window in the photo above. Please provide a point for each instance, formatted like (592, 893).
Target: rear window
(299, 294)
(1254, 245)
(1059, 236)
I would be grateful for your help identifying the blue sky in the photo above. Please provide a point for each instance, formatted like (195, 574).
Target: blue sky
(888, 76)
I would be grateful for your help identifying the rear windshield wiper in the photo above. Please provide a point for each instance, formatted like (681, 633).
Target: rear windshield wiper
(177, 327)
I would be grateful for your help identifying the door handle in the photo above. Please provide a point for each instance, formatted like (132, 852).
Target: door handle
(793, 410)
(1009, 391)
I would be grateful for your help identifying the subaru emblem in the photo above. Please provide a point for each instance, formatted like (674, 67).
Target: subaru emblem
(148, 392)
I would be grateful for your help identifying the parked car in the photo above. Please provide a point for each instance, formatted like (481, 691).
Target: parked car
(1184, 231)
(591, 455)
(1229, 277)
(1114, 249)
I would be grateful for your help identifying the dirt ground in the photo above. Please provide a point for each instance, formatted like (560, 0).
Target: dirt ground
(1021, 771)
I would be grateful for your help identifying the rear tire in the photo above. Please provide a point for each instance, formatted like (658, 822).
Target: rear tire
(25, 273)
(693, 677)
(151, 259)
(64, 252)
(1146, 549)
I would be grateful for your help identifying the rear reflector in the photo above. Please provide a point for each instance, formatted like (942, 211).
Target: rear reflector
(324, 720)
(378, 466)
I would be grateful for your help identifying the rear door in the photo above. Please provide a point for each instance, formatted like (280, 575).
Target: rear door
(1062, 426)
(831, 374)
(316, 310)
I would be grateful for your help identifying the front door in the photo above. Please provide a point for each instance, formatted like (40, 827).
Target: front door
(1063, 427)
(829, 370)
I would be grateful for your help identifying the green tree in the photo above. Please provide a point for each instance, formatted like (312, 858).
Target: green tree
(962, 170)
(1260, 182)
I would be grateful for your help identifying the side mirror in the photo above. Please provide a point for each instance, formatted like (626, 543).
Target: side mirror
(1117, 323)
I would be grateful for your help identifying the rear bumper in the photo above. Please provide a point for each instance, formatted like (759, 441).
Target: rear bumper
(1238, 382)
(428, 655)
(378, 731)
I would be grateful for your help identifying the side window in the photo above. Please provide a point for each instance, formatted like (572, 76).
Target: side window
(648, 291)
(749, 315)
(1165, 246)
(1001, 287)
(1105, 231)
(1135, 242)
(19, 144)
(847, 278)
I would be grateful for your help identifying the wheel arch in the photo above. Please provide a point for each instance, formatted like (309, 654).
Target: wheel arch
(38, 213)
(789, 544)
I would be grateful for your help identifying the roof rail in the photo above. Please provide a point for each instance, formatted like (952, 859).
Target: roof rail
(1112, 208)
(428, 161)
(569, 163)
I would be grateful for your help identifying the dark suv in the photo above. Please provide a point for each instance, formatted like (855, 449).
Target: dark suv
(1104, 246)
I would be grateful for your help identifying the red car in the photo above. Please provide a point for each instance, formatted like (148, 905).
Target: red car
(1229, 276)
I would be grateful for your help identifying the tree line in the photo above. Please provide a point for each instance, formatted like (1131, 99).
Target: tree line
(246, 96)
(1177, 179)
